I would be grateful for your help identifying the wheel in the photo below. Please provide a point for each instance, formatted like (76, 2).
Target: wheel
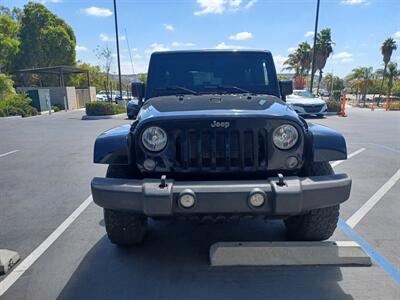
(124, 228)
(317, 224)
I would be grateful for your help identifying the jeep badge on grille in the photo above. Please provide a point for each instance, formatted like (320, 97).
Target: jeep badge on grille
(220, 124)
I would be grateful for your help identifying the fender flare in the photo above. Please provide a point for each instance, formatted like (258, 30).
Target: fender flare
(326, 144)
(112, 146)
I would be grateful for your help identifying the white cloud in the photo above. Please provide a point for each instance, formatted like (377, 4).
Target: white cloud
(79, 48)
(279, 60)
(291, 49)
(169, 27)
(210, 7)
(241, 36)
(396, 35)
(179, 44)
(250, 4)
(156, 47)
(105, 38)
(97, 11)
(221, 6)
(353, 2)
(225, 46)
(343, 57)
(309, 33)
(49, 1)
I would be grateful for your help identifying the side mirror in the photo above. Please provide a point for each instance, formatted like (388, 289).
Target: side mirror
(286, 87)
(138, 91)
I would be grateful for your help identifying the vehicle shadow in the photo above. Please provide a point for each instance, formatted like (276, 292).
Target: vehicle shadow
(172, 263)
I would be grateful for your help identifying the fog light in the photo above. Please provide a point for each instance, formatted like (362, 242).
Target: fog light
(257, 198)
(292, 162)
(149, 164)
(187, 199)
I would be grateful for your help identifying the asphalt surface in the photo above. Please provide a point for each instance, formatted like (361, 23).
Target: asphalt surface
(43, 182)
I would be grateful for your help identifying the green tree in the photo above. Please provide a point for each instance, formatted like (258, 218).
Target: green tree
(97, 77)
(46, 40)
(392, 73)
(104, 55)
(9, 41)
(6, 86)
(143, 77)
(292, 63)
(15, 13)
(387, 48)
(323, 49)
(304, 54)
(333, 83)
(362, 78)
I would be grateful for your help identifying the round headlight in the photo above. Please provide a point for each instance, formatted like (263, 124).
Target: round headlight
(285, 136)
(154, 138)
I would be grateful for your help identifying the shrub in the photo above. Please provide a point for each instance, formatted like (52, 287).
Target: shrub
(334, 106)
(17, 105)
(57, 107)
(103, 108)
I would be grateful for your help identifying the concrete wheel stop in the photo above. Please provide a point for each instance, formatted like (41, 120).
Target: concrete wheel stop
(8, 259)
(338, 253)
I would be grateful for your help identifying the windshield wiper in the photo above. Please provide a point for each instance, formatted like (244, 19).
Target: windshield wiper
(225, 87)
(177, 87)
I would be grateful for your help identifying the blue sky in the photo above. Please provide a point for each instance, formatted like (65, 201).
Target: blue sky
(358, 27)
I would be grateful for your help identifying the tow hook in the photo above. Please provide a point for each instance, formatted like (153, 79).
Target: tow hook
(280, 182)
(163, 183)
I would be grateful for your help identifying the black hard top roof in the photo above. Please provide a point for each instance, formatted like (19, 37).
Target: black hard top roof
(209, 51)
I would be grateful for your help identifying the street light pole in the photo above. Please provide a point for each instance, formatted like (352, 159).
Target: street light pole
(118, 58)
(315, 42)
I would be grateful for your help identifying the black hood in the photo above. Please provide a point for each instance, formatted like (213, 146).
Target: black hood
(211, 102)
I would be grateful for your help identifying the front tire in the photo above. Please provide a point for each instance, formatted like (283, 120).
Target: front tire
(124, 228)
(317, 224)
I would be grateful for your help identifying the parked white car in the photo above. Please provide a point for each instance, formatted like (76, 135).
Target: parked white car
(306, 104)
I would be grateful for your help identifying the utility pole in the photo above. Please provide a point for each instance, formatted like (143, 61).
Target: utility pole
(117, 40)
(315, 42)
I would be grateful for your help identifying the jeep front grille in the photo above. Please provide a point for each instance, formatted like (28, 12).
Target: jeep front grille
(221, 150)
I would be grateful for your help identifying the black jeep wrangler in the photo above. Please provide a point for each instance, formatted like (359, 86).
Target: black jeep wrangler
(214, 139)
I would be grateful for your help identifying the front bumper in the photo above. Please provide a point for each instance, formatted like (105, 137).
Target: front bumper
(146, 197)
(309, 111)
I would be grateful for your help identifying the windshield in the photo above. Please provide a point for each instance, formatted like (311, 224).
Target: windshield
(214, 73)
(305, 94)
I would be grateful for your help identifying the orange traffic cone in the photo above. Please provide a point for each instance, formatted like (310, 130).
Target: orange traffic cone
(342, 113)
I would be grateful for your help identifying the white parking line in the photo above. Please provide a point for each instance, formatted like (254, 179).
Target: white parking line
(359, 214)
(31, 258)
(8, 153)
(336, 163)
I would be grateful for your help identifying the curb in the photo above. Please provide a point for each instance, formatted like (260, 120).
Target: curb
(10, 118)
(338, 253)
(104, 117)
(8, 259)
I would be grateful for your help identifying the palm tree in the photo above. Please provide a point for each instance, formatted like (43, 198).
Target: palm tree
(292, 63)
(304, 54)
(323, 49)
(387, 48)
(363, 78)
(392, 74)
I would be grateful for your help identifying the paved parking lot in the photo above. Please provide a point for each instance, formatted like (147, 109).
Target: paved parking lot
(45, 170)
